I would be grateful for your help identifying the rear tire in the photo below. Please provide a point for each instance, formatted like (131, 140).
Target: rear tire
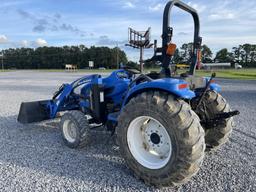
(75, 129)
(179, 123)
(219, 135)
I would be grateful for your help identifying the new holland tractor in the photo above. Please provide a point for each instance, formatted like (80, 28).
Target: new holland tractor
(163, 123)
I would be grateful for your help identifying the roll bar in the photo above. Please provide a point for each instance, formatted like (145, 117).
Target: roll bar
(167, 34)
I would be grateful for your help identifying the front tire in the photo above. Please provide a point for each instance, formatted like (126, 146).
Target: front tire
(161, 139)
(75, 129)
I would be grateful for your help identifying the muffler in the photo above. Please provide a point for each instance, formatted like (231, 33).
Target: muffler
(32, 112)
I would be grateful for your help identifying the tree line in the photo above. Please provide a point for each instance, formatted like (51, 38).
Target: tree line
(244, 54)
(110, 58)
(57, 57)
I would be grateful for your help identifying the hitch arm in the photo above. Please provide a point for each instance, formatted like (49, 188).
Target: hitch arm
(211, 123)
(226, 115)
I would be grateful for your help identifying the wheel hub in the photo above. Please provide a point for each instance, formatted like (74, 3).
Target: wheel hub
(69, 130)
(149, 142)
(155, 138)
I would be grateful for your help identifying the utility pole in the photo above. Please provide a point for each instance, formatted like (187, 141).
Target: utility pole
(2, 60)
(141, 59)
(117, 56)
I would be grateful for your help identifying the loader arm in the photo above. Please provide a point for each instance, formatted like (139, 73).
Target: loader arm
(58, 103)
(31, 112)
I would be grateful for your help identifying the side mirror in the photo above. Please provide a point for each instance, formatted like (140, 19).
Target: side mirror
(171, 48)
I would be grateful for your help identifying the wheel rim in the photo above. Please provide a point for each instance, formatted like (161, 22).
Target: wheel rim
(69, 131)
(149, 142)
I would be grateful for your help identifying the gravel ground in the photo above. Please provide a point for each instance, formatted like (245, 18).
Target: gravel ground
(33, 157)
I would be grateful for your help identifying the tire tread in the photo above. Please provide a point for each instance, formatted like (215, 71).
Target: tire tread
(190, 138)
(82, 125)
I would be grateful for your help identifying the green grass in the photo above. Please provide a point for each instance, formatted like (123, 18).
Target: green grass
(245, 74)
(241, 74)
(1, 71)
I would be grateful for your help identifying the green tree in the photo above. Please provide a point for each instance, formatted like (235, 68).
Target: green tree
(237, 53)
(245, 55)
(223, 56)
(57, 57)
(186, 52)
(206, 54)
(177, 57)
(132, 64)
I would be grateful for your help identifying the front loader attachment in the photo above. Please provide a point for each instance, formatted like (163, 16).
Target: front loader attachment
(33, 112)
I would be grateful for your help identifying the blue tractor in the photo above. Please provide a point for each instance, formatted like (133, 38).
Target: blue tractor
(163, 124)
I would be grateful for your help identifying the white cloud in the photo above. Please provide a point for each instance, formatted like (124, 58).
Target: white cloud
(222, 16)
(129, 4)
(3, 39)
(41, 42)
(225, 10)
(197, 7)
(24, 43)
(216, 43)
(183, 33)
(157, 7)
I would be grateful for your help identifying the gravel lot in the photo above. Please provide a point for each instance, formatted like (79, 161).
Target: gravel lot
(33, 157)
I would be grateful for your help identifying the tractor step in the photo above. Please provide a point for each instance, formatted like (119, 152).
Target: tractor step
(33, 112)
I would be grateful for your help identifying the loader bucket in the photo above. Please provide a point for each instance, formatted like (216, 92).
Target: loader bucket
(33, 112)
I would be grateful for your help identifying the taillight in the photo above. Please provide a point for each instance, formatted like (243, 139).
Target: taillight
(183, 86)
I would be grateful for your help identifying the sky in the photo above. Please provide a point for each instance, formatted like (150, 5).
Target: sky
(34, 23)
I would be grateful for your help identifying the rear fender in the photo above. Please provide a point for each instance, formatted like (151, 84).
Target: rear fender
(215, 87)
(172, 86)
